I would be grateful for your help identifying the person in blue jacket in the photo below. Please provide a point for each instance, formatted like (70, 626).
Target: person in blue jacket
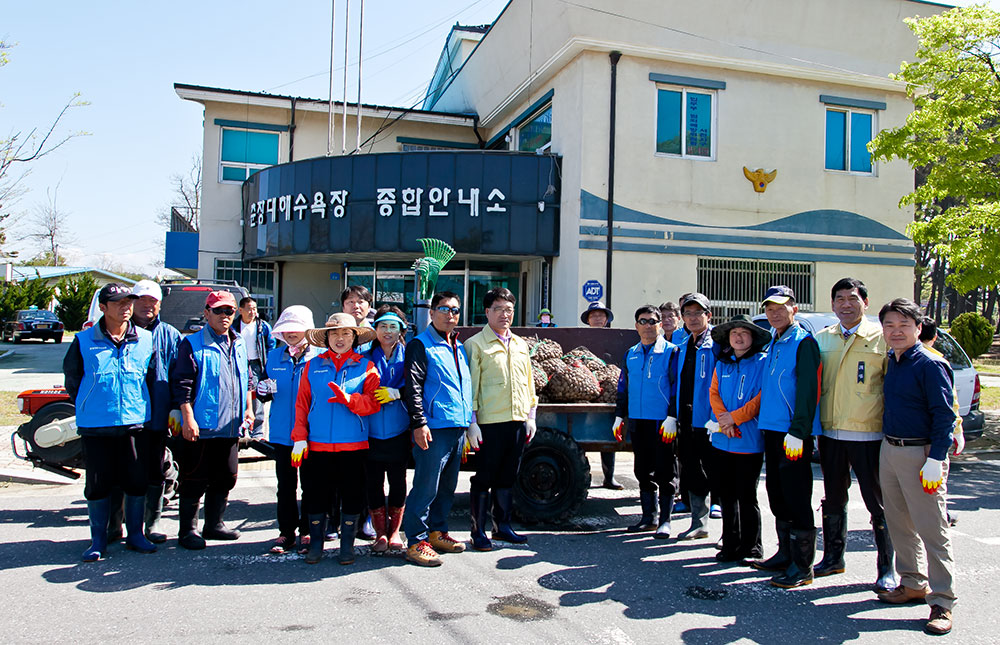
(210, 382)
(737, 445)
(280, 386)
(388, 437)
(789, 419)
(644, 391)
(106, 370)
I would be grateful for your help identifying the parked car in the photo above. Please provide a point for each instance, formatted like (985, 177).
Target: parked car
(33, 323)
(94, 311)
(966, 378)
(183, 304)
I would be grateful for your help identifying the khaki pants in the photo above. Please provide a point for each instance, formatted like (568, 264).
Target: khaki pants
(918, 523)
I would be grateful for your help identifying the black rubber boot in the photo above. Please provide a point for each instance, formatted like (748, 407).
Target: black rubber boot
(153, 512)
(317, 532)
(135, 506)
(834, 542)
(800, 571)
(215, 528)
(780, 560)
(117, 518)
(503, 512)
(886, 559)
(187, 517)
(479, 512)
(608, 468)
(348, 530)
(647, 500)
(666, 507)
(98, 511)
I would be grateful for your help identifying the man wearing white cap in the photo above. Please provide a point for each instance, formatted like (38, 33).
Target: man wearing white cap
(146, 314)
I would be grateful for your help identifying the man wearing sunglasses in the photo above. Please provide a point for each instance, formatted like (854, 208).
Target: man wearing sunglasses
(644, 392)
(211, 386)
(435, 363)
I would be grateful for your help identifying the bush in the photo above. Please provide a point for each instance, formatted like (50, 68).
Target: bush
(75, 294)
(973, 332)
(15, 296)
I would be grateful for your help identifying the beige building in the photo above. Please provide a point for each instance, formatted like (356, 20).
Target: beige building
(737, 159)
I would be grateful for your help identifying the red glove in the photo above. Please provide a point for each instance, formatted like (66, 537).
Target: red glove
(338, 395)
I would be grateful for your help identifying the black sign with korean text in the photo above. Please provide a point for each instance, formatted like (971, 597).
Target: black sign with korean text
(480, 202)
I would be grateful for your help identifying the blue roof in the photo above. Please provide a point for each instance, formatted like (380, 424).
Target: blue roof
(47, 273)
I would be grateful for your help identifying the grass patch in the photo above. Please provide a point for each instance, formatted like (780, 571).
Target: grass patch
(9, 414)
(989, 398)
(987, 365)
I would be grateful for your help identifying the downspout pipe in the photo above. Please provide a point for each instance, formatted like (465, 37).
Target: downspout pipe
(291, 134)
(615, 57)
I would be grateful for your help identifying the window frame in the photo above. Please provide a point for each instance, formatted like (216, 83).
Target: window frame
(516, 139)
(684, 89)
(849, 112)
(249, 168)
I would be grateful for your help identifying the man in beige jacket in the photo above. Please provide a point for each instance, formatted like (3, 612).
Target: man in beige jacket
(503, 417)
(853, 353)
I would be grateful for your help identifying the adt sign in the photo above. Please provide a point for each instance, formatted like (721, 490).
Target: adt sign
(592, 291)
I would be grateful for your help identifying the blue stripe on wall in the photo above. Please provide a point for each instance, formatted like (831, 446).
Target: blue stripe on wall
(687, 81)
(748, 253)
(849, 102)
(250, 125)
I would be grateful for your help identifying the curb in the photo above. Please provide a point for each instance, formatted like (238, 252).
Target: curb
(9, 352)
(33, 476)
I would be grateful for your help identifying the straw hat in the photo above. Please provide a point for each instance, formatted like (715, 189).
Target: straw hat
(317, 336)
(761, 337)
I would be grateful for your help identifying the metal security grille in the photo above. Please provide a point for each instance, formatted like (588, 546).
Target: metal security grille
(257, 277)
(737, 286)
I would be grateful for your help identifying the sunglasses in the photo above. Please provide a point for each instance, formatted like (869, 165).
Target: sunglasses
(222, 311)
(454, 311)
(648, 321)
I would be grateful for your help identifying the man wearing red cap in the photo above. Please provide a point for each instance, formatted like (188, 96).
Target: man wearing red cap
(210, 385)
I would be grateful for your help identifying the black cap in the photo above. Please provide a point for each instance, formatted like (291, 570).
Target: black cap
(779, 294)
(113, 292)
(697, 298)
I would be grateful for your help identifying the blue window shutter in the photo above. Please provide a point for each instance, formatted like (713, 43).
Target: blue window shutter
(861, 134)
(668, 122)
(262, 148)
(836, 135)
(234, 146)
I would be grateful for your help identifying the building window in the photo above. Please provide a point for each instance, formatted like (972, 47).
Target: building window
(685, 121)
(848, 133)
(246, 151)
(536, 133)
(256, 277)
(736, 286)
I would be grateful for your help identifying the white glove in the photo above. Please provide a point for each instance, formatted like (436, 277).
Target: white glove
(300, 450)
(474, 436)
(958, 443)
(712, 427)
(530, 429)
(793, 447)
(262, 388)
(668, 429)
(386, 395)
(618, 429)
(932, 475)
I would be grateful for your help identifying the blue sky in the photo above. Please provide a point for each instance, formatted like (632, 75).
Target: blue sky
(124, 57)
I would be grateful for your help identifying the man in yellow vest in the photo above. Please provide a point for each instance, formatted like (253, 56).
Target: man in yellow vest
(853, 352)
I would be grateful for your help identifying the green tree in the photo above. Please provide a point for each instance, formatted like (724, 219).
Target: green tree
(75, 294)
(953, 136)
(21, 295)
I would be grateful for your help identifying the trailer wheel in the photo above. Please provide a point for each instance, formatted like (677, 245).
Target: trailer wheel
(553, 479)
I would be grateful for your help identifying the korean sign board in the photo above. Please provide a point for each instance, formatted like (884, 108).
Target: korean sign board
(480, 202)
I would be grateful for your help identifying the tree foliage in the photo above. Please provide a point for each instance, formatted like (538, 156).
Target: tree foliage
(973, 332)
(953, 138)
(75, 294)
(21, 295)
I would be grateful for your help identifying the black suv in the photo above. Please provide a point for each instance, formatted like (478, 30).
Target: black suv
(183, 304)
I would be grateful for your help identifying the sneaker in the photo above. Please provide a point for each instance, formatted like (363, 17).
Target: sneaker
(940, 621)
(423, 554)
(304, 545)
(716, 512)
(444, 543)
(283, 544)
(680, 508)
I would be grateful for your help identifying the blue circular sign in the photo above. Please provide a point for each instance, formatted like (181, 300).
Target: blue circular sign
(592, 291)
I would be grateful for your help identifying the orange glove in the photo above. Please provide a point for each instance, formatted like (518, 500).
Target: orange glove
(338, 394)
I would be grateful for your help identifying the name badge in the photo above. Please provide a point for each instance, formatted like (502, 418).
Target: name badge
(861, 371)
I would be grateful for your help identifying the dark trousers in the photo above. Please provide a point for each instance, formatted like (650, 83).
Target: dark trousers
(207, 465)
(737, 486)
(290, 517)
(838, 458)
(655, 463)
(376, 473)
(113, 462)
(695, 452)
(789, 483)
(256, 372)
(153, 445)
(499, 455)
(326, 473)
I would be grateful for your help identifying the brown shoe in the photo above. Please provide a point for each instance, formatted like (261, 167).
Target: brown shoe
(423, 553)
(444, 543)
(902, 595)
(940, 621)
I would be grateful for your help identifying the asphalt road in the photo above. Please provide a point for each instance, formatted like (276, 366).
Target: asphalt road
(589, 582)
(32, 364)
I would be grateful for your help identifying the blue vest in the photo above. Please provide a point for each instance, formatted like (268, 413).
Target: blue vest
(113, 390)
(208, 395)
(448, 387)
(287, 375)
(777, 396)
(704, 365)
(739, 382)
(649, 380)
(334, 423)
(165, 341)
(392, 419)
